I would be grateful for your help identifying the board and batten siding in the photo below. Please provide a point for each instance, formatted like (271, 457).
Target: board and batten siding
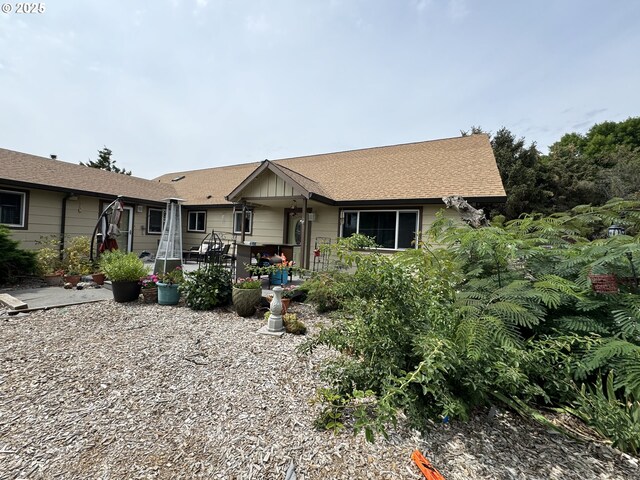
(268, 184)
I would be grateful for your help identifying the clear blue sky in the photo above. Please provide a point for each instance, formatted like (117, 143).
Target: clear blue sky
(185, 84)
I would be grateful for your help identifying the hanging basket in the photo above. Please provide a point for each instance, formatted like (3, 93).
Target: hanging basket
(606, 283)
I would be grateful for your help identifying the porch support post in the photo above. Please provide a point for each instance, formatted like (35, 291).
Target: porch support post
(303, 239)
(242, 222)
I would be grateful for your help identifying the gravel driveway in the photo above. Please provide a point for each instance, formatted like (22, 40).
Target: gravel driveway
(107, 391)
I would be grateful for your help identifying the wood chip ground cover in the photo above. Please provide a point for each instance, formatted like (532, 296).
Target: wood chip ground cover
(106, 390)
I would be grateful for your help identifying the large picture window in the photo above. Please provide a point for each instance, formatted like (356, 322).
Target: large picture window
(155, 220)
(13, 208)
(237, 221)
(197, 221)
(394, 229)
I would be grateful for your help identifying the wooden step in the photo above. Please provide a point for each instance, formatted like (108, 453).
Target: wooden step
(12, 302)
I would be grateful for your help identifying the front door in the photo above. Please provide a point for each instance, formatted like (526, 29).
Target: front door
(125, 239)
(294, 232)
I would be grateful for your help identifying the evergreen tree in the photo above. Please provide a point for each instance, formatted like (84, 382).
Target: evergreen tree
(104, 162)
(596, 166)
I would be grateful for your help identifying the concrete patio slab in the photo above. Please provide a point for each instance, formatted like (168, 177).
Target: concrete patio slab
(52, 297)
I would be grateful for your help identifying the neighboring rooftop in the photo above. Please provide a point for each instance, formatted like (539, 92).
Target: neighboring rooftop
(31, 170)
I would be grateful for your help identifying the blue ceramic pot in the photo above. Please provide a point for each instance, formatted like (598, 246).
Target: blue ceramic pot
(168, 294)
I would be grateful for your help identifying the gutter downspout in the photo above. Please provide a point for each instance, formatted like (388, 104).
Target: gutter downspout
(63, 223)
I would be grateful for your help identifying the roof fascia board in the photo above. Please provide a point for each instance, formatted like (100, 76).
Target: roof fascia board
(86, 193)
(415, 201)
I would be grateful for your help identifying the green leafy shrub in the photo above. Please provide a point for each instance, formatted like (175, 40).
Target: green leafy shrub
(207, 288)
(119, 266)
(76, 254)
(498, 313)
(14, 262)
(326, 290)
(48, 254)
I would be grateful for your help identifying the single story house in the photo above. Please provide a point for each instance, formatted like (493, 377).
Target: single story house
(388, 192)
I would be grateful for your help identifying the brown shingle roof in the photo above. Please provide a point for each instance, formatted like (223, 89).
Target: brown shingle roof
(26, 169)
(424, 170)
(208, 186)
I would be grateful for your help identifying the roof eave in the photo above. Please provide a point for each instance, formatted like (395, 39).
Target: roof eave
(87, 193)
(416, 201)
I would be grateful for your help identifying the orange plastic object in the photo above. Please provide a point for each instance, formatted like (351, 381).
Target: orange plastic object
(428, 470)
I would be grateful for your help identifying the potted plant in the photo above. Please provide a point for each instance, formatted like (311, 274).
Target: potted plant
(124, 270)
(246, 295)
(279, 273)
(149, 288)
(48, 259)
(168, 283)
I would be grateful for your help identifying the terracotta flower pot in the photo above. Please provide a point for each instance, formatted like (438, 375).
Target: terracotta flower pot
(285, 303)
(53, 279)
(73, 279)
(98, 278)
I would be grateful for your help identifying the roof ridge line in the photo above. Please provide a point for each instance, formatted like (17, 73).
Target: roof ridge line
(378, 147)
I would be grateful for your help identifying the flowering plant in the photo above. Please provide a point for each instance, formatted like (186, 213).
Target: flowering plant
(248, 283)
(174, 277)
(289, 291)
(150, 281)
(283, 265)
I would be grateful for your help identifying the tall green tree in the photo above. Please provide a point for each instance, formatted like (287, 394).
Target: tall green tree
(596, 166)
(523, 175)
(104, 162)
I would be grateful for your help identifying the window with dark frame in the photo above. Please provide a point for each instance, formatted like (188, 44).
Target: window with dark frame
(248, 221)
(393, 229)
(197, 221)
(12, 208)
(155, 220)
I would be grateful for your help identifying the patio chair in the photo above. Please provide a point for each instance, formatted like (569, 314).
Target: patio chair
(210, 250)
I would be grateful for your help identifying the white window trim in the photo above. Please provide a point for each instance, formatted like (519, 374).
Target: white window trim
(23, 209)
(164, 214)
(397, 212)
(204, 223)
(239, 212)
